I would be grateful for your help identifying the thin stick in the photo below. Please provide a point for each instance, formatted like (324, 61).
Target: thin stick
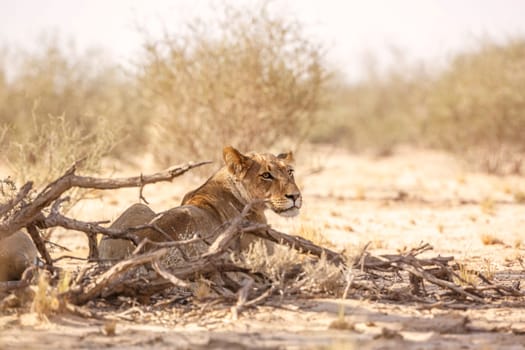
(440, 282)
(167, 275)
(39, 243)
(94, 289)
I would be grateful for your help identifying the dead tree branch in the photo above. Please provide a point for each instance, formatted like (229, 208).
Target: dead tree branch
(295, 242)
(39, 243)
(436, 271)
(95, 288)
(30, 212)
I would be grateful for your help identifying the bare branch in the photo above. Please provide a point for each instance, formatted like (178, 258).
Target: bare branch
(96, 287)
(54, 190)
(39, 243)
(442, 283)
(295, 242)
(168, 276)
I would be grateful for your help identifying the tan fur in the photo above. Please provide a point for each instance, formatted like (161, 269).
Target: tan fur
(135, 215)
(243, 179)
(17, 252)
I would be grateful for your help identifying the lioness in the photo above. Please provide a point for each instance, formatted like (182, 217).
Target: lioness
(17, 252)
(264, 178)
(261, 178)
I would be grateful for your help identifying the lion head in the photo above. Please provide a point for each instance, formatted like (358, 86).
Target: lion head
(266, 178)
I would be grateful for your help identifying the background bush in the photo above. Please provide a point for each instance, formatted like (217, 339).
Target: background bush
(475, 108)
(250, 79)
(254, 80)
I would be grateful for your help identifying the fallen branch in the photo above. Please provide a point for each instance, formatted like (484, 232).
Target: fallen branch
(436, 271)
(298, 243)
(39, 243)
(95, 288)
(168, 276)
(439, 282)
(202, 264)
(30, 212)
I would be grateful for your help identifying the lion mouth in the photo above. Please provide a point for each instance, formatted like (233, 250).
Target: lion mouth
(288, 212)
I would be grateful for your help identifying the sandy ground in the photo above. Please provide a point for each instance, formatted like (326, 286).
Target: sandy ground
(393, 202)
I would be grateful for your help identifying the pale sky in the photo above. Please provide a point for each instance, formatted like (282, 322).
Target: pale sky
(428, 30)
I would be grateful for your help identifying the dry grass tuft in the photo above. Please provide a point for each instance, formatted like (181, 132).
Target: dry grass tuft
(378, 244)
(489, 269)
(489, 239)
(45, 301)
(110, 328)
(322, 277)
(292, 271)
(488, 206)
(48, 299)
(314, 234)
(276, 265)
(467, 276)
(341, 324)
(202, 289)
(519, 197)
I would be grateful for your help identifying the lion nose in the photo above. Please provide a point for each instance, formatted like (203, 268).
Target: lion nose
(293, 196)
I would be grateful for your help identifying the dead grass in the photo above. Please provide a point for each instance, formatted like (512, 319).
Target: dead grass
(291, 271)
(467, 275)
(201, 289)
(110, 328)
(51, 145)
(314, 234)
(488, 206)
(223, 81)
(489, 269)
(519, 197)
(45, 301)
(472, 108)
(490, 239)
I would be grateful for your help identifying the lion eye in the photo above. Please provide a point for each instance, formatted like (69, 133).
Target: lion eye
(290, 172)
(267, 176)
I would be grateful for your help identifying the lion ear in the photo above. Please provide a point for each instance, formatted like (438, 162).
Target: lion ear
(287, 157)
(236, 162)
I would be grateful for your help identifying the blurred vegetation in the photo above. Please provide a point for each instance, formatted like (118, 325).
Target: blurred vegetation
(474, 108)
(254, 80)
(477, 107)
(248, 78)
(57, 107)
